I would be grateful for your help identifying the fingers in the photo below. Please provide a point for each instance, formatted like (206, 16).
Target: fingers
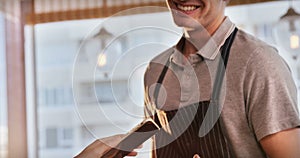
(113, 141)
(196, 156)
(107, 143)
(133, 153)
(100, 146)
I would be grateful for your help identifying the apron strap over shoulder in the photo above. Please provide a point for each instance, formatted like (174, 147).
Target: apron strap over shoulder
(222, 66)
(220, 72)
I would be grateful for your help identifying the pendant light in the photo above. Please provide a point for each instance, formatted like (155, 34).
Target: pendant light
(287, 31)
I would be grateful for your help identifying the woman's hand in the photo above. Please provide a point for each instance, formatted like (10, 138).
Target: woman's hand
(100, 146)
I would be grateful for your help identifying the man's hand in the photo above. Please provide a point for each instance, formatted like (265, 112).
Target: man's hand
(100, 146)
(282, 144)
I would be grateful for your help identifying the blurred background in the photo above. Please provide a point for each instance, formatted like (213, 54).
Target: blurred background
(72, 71)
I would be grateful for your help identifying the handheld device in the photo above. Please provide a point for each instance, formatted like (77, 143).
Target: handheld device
(133, 139)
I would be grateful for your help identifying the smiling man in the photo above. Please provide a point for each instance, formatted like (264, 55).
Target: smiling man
(218, 93)
(209, 14)
(256, 102)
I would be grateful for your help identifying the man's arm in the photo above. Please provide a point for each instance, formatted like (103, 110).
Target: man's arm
(282, 144)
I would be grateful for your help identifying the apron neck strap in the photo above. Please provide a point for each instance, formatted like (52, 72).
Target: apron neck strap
(225, 52)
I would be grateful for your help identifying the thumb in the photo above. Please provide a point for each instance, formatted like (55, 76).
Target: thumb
(196, 156)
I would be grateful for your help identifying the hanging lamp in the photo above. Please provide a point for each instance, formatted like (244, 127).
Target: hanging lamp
(287, 31)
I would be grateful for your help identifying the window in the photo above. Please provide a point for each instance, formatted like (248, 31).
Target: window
(58, 138)
(51, 138)
(106, 91)
(61, 131)
(56, 120)
(66, 137)
(56, 96)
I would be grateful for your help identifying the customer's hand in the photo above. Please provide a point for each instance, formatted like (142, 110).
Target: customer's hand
(196, 156)
(100, 146)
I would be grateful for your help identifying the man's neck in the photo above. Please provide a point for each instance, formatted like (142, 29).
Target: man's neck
(196, 39)
(188, 48)
(213, 27)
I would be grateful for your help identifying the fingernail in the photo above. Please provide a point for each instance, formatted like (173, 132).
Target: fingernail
(196, 156)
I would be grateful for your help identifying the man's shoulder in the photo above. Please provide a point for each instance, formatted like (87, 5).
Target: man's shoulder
(254, 48)
(251, 42)
(260, 56)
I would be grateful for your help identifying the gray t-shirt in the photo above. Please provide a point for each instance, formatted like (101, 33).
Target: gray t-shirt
(259, 96)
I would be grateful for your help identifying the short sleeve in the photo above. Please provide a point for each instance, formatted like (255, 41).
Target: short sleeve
(270, 93)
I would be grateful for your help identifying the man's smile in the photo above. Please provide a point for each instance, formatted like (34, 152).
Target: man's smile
(186, 7)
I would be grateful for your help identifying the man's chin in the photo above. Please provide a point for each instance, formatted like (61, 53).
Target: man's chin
(188, 23)
(183, 20)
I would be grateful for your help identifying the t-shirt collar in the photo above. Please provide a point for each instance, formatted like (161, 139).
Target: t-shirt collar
(211, 49)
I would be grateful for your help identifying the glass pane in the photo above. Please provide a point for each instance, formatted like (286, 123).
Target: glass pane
(3, 98)
(109, 99)
(55, 53)
(107, 87)
(51, 138)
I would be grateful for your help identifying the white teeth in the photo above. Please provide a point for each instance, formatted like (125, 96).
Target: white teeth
(186, 8)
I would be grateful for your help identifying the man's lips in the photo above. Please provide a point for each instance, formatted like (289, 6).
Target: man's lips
(187, 7)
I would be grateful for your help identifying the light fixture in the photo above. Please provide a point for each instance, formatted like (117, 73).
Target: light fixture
(102, 60)
(291, 17)
(102, 51)
(294, 41)
(287, 31)
(105, 37)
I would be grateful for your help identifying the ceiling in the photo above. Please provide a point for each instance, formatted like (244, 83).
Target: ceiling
(242, 2)
(42, 11)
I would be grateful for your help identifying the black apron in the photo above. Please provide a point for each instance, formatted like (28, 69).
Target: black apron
(187, 143)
